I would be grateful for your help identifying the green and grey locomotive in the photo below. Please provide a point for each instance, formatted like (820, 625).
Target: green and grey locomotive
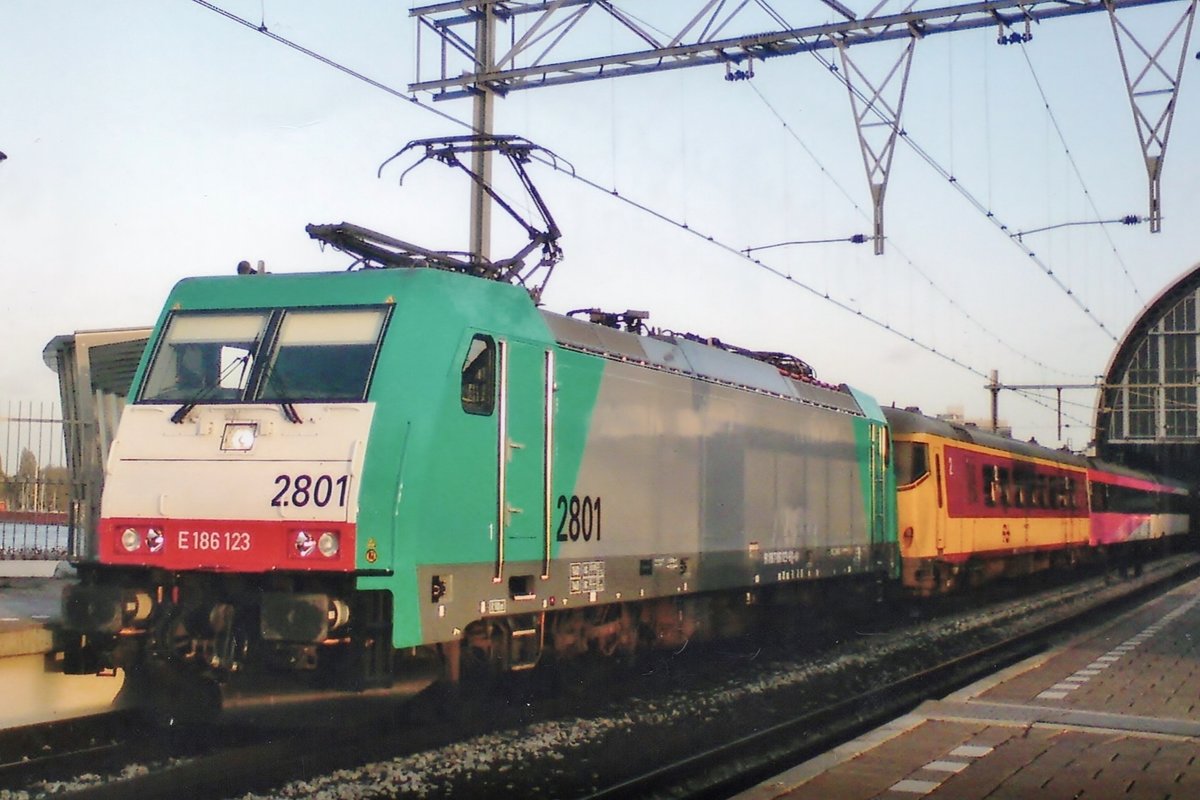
(326, 475)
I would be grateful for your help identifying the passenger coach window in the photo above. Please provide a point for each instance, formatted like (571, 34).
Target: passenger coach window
(1004, 487)
(999, 490)
(912, 462)
(1024, 485)
(479, 376)
(972, 482)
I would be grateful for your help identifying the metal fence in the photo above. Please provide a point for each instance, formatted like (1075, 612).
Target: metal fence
(35, 483)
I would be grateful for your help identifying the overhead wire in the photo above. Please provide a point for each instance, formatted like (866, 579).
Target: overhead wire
(1149, 395)
(732, 250)
(843, 305)
(954, 304)
(1062, 138)
(1052, 403)
(974, 201)
(780, 20)
(328, 61)
(987, 121)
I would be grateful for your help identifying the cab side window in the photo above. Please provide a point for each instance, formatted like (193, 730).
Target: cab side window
(912, 462)
(479, 376)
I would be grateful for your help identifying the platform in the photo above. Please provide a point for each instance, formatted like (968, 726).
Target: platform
(1113, 714)
(34, 688)
(28, 607)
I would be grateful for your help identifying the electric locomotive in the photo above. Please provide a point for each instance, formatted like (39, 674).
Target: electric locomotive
(328, 475)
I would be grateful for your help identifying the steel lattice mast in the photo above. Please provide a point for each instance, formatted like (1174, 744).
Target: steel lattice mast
(548, 46)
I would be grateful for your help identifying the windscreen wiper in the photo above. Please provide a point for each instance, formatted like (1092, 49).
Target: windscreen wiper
(290, 413)
(181, 413)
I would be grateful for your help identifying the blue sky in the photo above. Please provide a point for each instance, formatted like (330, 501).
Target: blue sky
(149, 142)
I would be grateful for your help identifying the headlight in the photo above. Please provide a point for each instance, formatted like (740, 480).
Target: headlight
(305, 543)
(239, 436)
(131, 540)
(328, 544)
(155, 540)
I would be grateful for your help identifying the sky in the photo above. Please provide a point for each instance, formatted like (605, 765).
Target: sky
(149, 142)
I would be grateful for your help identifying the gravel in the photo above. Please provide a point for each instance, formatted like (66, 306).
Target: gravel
(682, 704)
(569, 756)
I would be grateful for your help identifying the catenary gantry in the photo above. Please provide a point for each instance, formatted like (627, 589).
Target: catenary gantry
(548, 45)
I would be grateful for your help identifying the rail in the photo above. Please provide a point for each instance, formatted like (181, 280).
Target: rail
(747, 761)
(242, 758)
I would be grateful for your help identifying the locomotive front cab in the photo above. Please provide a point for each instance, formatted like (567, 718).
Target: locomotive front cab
(228, 530)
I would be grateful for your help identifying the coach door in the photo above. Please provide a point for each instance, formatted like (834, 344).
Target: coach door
(525, 443)
(941, 518)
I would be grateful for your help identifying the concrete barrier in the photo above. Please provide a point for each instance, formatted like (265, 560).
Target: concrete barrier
(35, 568)
(35, 690)
(35, 693)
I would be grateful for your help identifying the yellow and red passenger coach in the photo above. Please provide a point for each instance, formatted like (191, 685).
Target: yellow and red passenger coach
(972, 505)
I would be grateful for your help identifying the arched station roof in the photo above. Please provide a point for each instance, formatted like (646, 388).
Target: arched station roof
(1148, 414)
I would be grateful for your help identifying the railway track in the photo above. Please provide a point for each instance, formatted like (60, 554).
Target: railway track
(34, 752)
(747, 760)
(260, 746)
(627, 740)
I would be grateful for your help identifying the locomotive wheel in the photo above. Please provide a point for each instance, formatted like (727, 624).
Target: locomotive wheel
(483, 651)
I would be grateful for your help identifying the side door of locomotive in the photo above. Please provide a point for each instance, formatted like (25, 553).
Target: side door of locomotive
(524, 463)
(881, 519)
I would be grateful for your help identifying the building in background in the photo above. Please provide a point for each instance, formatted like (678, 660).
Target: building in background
(955, 415)
(1147, 415)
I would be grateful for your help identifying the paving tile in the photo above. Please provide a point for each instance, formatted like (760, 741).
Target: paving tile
(908, 786)
(1145, 666)
(971, 751)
